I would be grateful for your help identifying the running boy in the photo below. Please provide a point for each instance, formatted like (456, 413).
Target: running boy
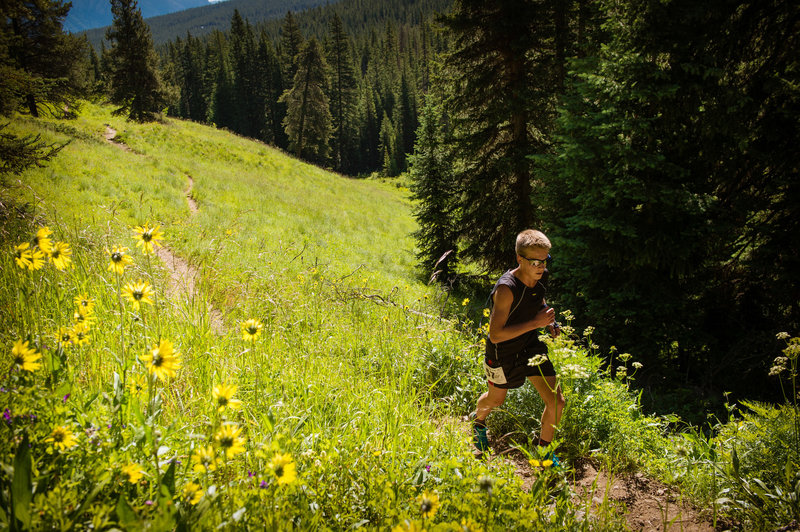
(519, 310)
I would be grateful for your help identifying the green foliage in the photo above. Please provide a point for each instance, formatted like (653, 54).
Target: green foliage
(433, 188)
(308, 116)
(41, 66)
(19, 153)
(663, 241)
(136, 84)
(501, 78)
(377, 55)
(343, 94)
(355, 379)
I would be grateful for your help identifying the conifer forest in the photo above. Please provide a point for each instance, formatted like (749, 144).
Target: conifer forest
(655, 142)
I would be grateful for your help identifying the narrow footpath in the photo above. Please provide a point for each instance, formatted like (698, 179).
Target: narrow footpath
(182, 276)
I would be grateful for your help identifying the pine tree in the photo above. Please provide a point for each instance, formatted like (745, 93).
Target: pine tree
(503, 95)
(274, 111)
(223, 110)
(136, 85)
(407, 120)
(343, 94)
(42, 67)
(388, 147)
(291, 42)
(435, 193)
(308, 116)
(247, 85)
(682, 185)
(193, 104)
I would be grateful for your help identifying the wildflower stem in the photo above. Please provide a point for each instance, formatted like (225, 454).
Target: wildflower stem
(155, 294)
(488, 510)
(151, 418)
(122, 345)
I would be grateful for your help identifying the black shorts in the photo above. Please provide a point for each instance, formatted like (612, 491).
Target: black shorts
(512, 371)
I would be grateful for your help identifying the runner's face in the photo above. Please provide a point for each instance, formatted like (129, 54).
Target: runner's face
(538, 257)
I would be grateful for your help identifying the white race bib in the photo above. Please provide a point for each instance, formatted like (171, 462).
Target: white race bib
(495, 375)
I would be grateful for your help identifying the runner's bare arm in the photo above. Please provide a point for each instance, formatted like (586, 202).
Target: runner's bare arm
(499, 331)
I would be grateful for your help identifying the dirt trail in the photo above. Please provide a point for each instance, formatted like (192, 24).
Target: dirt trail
(182, 281)
(110, 135)
(648, 504)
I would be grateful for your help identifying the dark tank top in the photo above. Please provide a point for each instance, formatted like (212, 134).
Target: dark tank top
(526, 304)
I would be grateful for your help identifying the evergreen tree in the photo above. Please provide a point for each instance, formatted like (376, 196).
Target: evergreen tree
(503, 94)
(193, 104)
(308, 116)
(388, 147)
(343, 95)
(95, 79)
(291, 43)
(19, 153)
(407, 120)
(247, 79)
(136, 85)
(434, 191)
(679, 182)
(274, 111)
(41, 66)
(370, 131)
(223, 108)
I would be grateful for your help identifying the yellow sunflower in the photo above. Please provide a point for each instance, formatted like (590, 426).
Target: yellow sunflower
(80, 334)
(22, 255)
(25, 358)
(408, 526)
(137, 384)
(84, 303)
(42, 240)
(119, 258)
(37, 259)
(251, 329)
(132, 472)
(64, 337)
(62, 438)
(61, 255)
(162, 361)
(428, 504)
(204, 459)
(284, 468)
(137, 293)
(147, 236)
(86, 320)
(192, 493)
(223, 397)
(230, 440)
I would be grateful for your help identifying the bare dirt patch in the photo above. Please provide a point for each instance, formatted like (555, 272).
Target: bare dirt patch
(189, 199)
(110, 135)
(647, 504)
(182, 276)
(182, 283)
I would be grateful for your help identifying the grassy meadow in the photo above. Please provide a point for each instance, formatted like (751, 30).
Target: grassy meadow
(331, 399)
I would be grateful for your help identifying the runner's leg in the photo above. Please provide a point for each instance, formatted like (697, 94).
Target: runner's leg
(553, 405)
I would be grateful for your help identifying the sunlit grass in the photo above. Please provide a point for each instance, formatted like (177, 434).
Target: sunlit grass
(353, 381)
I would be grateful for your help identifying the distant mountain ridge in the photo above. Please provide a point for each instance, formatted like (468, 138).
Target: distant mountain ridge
(90, 14)
(203, 20)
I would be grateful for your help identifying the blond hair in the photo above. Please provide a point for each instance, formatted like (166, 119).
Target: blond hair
(531, 238)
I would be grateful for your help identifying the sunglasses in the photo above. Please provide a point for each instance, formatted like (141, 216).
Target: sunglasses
(537, 262)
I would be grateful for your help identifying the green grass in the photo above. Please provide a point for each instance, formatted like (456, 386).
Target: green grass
(359, 374)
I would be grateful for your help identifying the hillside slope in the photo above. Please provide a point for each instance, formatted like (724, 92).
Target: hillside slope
(88, 14)
(203, 20)
(237, 182)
